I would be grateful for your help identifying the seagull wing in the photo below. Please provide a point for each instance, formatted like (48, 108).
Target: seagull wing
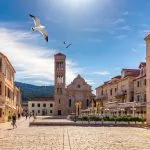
(36, 20)
(68, 46)
(44, 33)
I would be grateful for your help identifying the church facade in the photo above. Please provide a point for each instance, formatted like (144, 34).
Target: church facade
(73, 98)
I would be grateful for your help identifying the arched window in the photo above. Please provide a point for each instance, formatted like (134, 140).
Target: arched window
(87, 103)
(69, 102)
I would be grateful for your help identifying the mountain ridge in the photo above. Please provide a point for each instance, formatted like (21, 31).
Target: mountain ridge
(30, 91)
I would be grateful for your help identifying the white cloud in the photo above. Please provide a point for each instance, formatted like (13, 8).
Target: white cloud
(103, 73)
(147, 31)
(34, 64)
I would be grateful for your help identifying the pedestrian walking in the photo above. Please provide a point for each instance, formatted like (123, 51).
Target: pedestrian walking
(30, 115)
(19, 116)
(14, 121)
(26, 116)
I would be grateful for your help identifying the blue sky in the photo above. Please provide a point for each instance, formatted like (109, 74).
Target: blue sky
(107, 35)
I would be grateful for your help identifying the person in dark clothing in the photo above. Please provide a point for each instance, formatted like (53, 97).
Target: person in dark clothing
(19, 116)
(26, 116)
(14, 121)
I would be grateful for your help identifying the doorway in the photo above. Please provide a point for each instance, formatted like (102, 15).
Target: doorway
(59, 112)
(43, 112)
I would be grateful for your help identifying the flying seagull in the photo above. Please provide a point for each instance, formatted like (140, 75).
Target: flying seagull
(39, 27)
(69, 44)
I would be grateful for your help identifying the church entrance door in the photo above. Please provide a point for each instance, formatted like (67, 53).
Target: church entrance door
(59, 112)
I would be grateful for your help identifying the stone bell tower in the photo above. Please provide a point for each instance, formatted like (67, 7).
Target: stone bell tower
(147, 39)
(60, 82)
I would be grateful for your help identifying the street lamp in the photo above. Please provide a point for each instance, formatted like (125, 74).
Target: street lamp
(133, 108)
(93, 99)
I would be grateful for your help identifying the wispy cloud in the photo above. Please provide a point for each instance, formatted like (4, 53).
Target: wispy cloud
(102, 73)
(144, 32)
(90, 82)
(134, 50)
(120, 37)
(93, 40)
(90, 30)
(118, 21)
(53, 20)
(125, 13)
(33, 63)
(126, 28)
(147, 31)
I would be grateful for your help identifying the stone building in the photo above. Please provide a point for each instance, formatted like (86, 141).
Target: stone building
(140, 91)
(78, 95)
(147, 39)
(17, 98)
(9, 94)
(117, 96)
(60, 83)
(41, 106)
(71, 99)
(24, 108)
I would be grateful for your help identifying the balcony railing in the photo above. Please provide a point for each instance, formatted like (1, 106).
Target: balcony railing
(125, 105)
(139, 104)
(117, 105)
(121, 94)
(111, 104)
(102, 97)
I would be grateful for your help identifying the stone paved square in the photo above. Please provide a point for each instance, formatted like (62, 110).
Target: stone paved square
(72, 138)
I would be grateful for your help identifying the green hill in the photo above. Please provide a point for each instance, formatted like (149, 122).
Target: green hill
(29, 91)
